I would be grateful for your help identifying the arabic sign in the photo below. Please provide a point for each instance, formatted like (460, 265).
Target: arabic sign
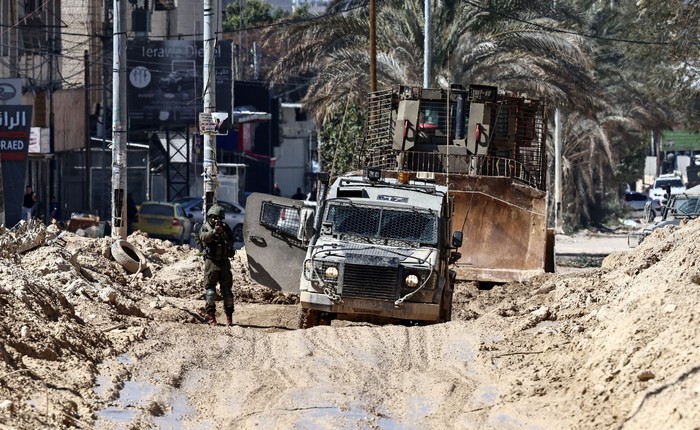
(15, 122)
(214, 123)
(39, 140)
(165, 82)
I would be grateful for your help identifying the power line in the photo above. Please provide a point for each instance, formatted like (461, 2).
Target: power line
(157, 67)
(320, 17)
(559, 30)
(26, 16)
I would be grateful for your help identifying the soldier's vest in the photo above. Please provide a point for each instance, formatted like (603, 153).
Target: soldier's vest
(217, 249)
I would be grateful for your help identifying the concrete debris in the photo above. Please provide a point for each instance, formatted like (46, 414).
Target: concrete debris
(26, 236)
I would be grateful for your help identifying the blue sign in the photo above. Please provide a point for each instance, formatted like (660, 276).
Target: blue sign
(15, 124)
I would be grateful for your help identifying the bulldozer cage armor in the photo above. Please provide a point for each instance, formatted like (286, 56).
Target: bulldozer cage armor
(436, 138)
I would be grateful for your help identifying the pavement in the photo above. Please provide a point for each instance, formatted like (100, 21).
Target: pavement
(590, 243)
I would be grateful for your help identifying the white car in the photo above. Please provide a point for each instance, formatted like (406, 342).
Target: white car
(235, 214)
(658, 191)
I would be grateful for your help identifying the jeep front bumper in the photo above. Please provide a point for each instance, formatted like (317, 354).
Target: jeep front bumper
(366, 306)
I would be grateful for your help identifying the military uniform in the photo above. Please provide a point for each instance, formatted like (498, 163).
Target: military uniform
(218, 247)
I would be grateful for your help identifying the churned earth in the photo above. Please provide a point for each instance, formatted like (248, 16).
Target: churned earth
(84, 344)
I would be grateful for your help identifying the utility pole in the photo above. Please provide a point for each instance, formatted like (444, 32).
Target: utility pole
(87, 198)
(119, 165)
(427, 47)
(103, 132)
(210, 174)
(372, 46)
(558, 213)
(557, 172)
(52, 125)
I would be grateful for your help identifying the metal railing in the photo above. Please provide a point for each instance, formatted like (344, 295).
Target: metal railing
(516, 144)
(462, 164)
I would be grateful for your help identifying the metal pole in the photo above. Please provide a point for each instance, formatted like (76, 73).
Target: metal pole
(209, 96)
(557, 172)
(105, 78)
(256, 72)
(427, 47)
(372, 46)
(87, 197)
(240, 40)
(52, 126)
(119, 162)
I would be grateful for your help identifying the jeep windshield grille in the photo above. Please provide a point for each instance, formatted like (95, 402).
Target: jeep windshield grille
(394, 226)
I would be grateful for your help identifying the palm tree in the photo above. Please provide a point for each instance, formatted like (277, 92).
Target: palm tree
(604, 150)
(507, 47)
(527, 47)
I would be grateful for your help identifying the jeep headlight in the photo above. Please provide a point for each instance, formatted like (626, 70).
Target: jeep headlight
(419, 278)
(411, 281)
(309, 270)
(332, 272)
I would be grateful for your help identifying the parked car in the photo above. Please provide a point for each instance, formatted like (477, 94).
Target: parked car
(164, 220)
(235, 214)
(643, 204)
(637, 201)
(658, 190)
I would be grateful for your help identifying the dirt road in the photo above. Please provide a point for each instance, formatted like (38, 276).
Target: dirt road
(613, 347)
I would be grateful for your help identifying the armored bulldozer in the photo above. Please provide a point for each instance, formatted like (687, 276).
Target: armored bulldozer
(489, 149)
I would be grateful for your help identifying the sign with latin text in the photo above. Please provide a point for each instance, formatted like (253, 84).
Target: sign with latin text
(165, 84)
(10, 91)
(15, 123)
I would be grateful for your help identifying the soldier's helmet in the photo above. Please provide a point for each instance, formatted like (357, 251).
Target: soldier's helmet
(216, 210)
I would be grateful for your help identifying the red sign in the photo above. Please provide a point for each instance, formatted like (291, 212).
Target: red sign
(14, 134)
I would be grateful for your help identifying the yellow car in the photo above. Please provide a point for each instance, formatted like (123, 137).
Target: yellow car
(163, 220)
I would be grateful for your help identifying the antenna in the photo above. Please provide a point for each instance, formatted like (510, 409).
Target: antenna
(448, 127)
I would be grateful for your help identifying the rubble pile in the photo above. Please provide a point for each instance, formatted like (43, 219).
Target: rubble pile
(612, 347)
(66, 305)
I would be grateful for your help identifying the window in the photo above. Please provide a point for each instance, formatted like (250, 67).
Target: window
(635, 197)
(686, 206)
(157, 210)
(674, 183)
(229, 208)
(383, 223)
(31, 6)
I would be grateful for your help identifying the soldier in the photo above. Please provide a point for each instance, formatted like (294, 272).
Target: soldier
(217, 240)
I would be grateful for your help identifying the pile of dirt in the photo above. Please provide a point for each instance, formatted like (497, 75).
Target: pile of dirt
(67, 306)
(612, 347)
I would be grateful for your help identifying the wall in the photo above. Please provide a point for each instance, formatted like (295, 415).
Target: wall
(69, 120)
(292, 168)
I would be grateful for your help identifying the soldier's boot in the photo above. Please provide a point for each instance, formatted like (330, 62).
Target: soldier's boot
(229, 319)
(211, 318)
